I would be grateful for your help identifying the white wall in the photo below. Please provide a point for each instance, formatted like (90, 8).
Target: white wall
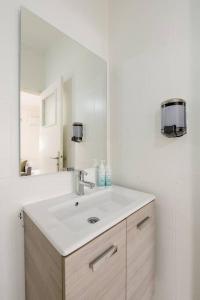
(86, 22)
(150, 61)
(195, 47)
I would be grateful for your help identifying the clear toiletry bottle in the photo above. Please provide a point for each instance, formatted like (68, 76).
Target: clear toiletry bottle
(108, 176)
(96, 169)
(101, 180)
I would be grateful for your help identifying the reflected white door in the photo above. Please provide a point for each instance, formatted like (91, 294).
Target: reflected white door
(51, 129)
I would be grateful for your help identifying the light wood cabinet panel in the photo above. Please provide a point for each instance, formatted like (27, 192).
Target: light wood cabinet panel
(98, 270)
(140, 254)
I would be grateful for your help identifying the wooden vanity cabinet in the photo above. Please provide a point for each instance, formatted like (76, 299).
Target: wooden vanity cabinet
(117, 265)
(140, 254)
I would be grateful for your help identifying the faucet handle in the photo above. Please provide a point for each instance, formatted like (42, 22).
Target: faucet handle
(81, 174)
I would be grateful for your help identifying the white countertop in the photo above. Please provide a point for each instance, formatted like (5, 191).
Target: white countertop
(65, 225)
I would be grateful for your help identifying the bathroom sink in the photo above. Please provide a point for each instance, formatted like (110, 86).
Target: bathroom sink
(70, 221)
(98, 205)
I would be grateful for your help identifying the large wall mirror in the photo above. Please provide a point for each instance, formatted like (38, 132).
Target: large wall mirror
(62, 101)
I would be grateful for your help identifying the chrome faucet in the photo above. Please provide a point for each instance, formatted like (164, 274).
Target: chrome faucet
(81, 182)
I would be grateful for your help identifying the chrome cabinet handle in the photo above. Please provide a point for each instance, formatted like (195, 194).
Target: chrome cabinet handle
(103, 258)
(141, 224)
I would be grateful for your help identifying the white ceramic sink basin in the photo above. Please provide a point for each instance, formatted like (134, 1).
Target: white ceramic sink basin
(98, 205)
(65, 220)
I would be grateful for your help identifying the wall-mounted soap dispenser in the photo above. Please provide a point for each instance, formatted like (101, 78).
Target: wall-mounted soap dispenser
(77, 132)
(173, 117)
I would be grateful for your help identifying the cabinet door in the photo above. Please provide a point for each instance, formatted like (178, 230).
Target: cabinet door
(140, 254)
(98, 269)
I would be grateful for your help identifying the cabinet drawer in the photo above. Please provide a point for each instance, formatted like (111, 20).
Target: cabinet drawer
(140, 253)
(98, 269)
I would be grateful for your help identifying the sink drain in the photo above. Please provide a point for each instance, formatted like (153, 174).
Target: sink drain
(93, 220)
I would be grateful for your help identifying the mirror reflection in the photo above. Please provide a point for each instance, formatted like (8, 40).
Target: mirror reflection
(62, 101)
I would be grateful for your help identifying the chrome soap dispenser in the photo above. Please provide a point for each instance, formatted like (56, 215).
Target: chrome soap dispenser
(173, 117)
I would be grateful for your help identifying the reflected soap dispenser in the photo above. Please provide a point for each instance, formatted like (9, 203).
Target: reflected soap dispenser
(77, 132)
(101, 180)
